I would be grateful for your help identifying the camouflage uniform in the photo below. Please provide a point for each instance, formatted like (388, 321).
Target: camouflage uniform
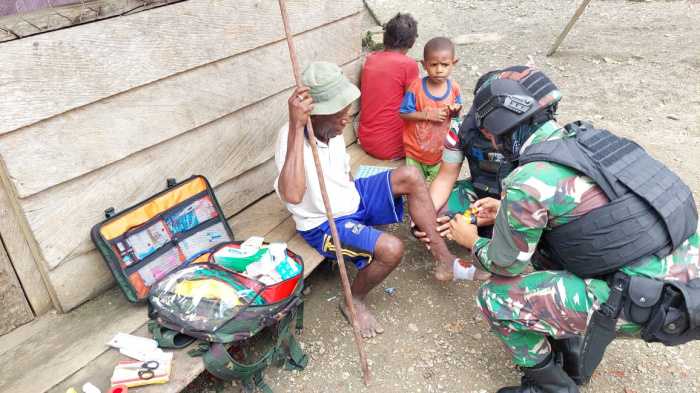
(524, 309)
(463, 192)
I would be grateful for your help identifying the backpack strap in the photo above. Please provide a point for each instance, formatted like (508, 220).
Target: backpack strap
(168, 338)
(290, 352)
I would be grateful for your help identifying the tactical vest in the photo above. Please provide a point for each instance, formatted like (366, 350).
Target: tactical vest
(651, 211)
(487, 167)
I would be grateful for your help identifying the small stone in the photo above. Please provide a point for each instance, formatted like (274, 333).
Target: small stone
(412, 327)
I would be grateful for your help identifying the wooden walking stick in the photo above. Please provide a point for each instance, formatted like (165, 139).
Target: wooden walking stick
(568, 27)
(326, 203)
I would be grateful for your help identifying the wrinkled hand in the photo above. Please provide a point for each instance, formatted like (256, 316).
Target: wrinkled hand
(443, 228)
(488, 209)
(300, 107)
(464, 233)
(436, 115)
(454, 109)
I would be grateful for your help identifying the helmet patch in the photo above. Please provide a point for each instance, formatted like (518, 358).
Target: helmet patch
(518, 104)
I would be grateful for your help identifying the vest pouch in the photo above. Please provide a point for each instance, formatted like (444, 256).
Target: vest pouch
(643, 294)
(675, 319)
(489, 166)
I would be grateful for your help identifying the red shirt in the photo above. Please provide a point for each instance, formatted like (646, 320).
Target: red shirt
(385, 77)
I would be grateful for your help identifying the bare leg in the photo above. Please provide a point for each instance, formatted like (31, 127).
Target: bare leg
(409, 181)
(387, 255)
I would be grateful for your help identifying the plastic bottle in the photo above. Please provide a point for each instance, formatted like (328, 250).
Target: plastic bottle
(470, 215)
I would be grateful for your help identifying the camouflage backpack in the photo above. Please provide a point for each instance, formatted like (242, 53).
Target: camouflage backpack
(224, 310)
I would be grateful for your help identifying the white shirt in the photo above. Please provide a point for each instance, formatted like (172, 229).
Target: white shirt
(335, 163)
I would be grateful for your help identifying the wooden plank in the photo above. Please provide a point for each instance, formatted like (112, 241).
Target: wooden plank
(186, 368)
(99, 371)
(96, 319)
(56, 16)
(91, 264)
(38, 362)
(237, 194)
(15, 308)
(21, 257)
(259, 219)
(37, 157)
(234, 195)
(213, 150)
(119, 54)
(216, 152)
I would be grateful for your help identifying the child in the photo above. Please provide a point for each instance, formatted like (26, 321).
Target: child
(428, 107)
(385, 77)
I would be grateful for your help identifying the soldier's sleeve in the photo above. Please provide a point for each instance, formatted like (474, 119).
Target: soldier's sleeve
(453, 153)
(519, 225)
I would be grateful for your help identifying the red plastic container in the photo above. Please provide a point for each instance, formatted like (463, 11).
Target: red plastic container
(271, 293)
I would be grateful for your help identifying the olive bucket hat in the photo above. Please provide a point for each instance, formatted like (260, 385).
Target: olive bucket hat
(329, 88)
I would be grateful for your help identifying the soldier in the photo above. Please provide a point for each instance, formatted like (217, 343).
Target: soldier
(487, 167)
(620, 228)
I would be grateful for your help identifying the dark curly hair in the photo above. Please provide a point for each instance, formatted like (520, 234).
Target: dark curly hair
(400, 32)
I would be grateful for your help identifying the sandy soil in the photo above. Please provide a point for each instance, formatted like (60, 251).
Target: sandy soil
(631, 67)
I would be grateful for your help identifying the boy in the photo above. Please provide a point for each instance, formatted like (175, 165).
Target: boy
(385, 77)
(428, 107)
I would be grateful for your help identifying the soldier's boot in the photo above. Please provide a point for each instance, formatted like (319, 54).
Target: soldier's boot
(568, 351)
(546, 377)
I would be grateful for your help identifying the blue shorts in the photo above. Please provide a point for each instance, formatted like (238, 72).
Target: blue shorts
(378, 206)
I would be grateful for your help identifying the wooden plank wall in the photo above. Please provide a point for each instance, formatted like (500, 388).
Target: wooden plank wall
(198, 87)
(29, 17)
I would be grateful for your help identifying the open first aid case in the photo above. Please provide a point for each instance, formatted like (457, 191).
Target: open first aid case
(146, 242)
(178, 241)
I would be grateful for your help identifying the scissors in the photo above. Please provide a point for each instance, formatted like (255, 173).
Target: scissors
(147, 369)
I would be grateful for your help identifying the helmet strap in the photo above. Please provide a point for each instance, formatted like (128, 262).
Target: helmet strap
(512, 142)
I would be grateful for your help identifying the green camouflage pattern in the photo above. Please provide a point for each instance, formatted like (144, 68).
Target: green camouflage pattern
(524, 309)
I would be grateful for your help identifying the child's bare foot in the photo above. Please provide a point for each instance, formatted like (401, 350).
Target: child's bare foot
(369, 327)
(444, 271)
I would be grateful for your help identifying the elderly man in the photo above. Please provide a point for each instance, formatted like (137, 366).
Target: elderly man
(357, 205)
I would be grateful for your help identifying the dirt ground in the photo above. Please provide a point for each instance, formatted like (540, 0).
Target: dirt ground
(629, 66)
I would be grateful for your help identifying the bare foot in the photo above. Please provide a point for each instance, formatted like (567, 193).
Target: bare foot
(443, 271)
(369, 327)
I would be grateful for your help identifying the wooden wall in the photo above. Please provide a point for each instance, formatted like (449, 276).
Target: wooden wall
(101, 114)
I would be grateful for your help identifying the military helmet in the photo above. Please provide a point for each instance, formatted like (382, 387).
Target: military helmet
(532, 83)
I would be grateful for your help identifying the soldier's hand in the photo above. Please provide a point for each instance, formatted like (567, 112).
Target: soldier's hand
(487, 211)
(464, 233)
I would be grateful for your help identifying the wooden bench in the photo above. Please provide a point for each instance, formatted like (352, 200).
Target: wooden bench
(59, 351)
